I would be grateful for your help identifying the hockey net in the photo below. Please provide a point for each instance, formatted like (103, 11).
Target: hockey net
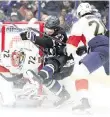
(10, 37)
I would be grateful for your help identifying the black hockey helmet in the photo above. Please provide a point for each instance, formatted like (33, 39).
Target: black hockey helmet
(52, 22)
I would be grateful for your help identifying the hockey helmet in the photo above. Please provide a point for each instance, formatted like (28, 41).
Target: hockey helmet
(83, 8)
(52, 22)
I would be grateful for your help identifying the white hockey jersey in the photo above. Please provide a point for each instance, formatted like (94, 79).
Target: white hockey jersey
(85, 29)
(31, 60)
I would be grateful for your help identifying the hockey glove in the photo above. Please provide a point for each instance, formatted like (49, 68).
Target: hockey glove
(81, 50)
(23, 36)
(29, 35)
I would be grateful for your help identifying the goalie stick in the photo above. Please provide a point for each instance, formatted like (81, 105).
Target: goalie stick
(13, 78)
(36, 77)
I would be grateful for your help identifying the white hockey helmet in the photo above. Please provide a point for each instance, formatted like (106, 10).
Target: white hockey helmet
(83, 8)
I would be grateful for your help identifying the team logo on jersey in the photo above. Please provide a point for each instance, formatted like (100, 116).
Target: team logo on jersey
(18, 58)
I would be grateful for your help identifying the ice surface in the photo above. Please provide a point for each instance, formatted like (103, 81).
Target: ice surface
(99, 93)
(99, 99)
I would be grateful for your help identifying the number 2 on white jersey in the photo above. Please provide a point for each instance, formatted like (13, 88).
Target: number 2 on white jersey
(31, 60)
(6, 54)
(97, 26)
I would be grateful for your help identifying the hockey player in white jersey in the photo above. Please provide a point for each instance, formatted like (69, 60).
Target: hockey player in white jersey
(17, 61)
(90, 30)
(87, 27)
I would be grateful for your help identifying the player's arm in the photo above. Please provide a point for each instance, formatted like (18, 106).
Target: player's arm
(76, 37)
(44, 41)
(77, 33)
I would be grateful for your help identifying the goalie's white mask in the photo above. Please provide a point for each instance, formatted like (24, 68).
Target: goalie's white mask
(17, 58)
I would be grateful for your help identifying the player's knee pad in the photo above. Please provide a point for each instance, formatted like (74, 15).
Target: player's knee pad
(80, 71)
(47, 71)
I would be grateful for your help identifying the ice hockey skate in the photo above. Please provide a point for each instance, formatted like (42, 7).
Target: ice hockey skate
(83, 106)
(64, 97)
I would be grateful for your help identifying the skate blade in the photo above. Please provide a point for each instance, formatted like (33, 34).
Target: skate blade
(66, 103)
(82, 112)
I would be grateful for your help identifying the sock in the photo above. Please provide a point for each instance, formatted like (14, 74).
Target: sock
(82, 88)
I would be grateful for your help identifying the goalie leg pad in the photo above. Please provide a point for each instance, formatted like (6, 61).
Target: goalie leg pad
(6, 91)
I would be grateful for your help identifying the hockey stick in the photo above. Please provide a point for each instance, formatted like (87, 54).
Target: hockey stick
(13, 78)
(53, 38)
(35, 30)
(31, 41)
(36, 77)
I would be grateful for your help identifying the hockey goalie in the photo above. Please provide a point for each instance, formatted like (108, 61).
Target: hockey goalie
(17, 60)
